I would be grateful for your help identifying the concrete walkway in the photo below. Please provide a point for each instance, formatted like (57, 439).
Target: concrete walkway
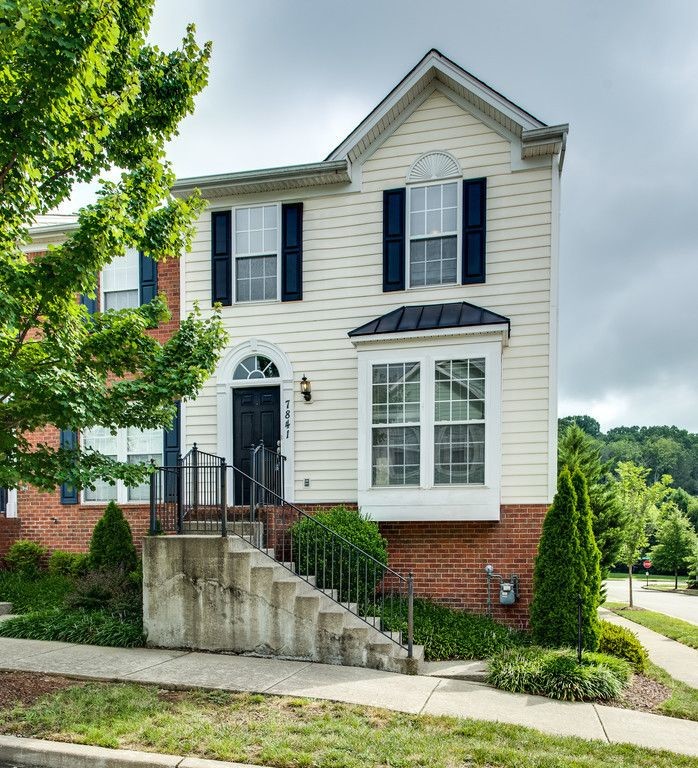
(680, 661)
(418, 694)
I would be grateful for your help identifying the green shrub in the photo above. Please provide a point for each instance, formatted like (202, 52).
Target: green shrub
(111, 546)
(88, 627)
(335, 564)
(68, 563)
(47, 590)
(24, 557)
(557, 674)
(447, 633)
(621, 642)
(559, 571)
(111, 591)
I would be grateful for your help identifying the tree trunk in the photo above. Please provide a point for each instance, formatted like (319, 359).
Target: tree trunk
(676, 578)
(630, 585)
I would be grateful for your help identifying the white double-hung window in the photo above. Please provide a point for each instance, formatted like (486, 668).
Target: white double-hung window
(120, 282)
(433, 228)
(130, 445)
(395, 429)
(256, 248)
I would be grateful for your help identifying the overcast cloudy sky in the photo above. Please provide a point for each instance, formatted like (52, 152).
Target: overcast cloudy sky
(289, 79)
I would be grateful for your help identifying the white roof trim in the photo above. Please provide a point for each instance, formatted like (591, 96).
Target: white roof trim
(434, 66)
(500, 330)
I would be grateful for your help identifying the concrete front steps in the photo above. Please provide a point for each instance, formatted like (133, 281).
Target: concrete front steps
(340, 636)
(224, 594)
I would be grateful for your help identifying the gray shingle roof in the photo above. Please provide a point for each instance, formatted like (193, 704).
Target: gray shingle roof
(427, 317)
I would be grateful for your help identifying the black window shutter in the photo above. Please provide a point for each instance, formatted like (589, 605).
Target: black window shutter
(221, 258)
(91, 304)
(148, 275)
(394, 239)
(474, 217)
(171, 444)
(292, 252)
(69, 493)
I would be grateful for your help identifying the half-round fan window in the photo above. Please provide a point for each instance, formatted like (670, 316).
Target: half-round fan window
(433, 165)
(256, 367)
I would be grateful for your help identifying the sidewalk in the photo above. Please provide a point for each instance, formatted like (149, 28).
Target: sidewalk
(680, 661)
(353, 685)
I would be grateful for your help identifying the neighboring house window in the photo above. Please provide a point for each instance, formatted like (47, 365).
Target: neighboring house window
(433, 228)
(256, 367)
(459, 422)
(396, 427)
(256, 249)
(129, 445)
(120, 282)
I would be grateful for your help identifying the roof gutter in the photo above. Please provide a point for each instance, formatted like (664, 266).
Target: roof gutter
(326, 172)
(549, 140)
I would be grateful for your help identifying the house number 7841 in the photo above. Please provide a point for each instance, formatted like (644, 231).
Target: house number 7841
(287, 418)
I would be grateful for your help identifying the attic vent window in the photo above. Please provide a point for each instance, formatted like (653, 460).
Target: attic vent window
(432, 166)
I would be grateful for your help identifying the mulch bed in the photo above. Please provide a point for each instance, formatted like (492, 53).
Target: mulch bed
(642, 694)
(27, 687)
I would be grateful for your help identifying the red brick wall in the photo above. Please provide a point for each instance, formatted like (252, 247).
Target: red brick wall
(69, 527)
(448, 558)
(9, 533)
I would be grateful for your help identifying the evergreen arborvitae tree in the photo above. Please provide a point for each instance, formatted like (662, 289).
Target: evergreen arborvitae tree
(558, 574)
(590, 557)
(578, 450)
(111, 546)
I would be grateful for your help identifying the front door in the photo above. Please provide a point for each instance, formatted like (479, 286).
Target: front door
(256, 418)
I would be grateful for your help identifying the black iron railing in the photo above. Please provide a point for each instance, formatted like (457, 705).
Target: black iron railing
(203, 494)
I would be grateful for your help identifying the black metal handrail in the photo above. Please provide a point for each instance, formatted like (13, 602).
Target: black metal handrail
(303, 545)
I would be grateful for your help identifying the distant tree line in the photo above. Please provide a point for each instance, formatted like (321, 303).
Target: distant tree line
(664, 450)
(642, 484)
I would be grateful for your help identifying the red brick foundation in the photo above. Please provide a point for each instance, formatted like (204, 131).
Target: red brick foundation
(448, 558)
(9, 533)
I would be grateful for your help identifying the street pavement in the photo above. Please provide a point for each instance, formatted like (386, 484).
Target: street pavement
(679, 606)
(417, 694)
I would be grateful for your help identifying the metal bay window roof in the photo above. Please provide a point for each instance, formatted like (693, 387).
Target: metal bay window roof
(429, 317)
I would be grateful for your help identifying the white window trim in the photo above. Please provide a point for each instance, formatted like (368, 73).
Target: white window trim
(101, 293)
(234, 254)
(430, 501)
(121, 488)
(459, 231)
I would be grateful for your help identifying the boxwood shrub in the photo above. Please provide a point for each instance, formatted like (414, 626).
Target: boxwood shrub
(334, 563)
(621, 642)
(24, 557)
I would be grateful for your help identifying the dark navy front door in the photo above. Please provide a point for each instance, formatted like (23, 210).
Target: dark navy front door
(256, 417)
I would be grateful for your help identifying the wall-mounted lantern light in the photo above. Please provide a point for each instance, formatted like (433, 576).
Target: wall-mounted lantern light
(305, 388)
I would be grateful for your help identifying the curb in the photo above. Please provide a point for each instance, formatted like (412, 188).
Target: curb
(38, 753)
(685, 593)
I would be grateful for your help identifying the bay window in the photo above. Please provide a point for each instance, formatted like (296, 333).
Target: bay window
(430, 429)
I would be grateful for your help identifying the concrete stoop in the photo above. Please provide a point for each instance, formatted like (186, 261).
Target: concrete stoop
(223, 594)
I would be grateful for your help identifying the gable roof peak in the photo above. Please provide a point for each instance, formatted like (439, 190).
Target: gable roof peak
(433, 67)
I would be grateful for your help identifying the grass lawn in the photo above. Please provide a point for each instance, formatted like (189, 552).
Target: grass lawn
(294, 733)
(682, 631)
(641, 577)
(683, 701)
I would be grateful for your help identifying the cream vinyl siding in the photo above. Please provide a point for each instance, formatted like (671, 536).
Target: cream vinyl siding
(342, 289)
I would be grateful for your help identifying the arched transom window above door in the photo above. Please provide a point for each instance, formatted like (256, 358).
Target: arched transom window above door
(256, 367)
